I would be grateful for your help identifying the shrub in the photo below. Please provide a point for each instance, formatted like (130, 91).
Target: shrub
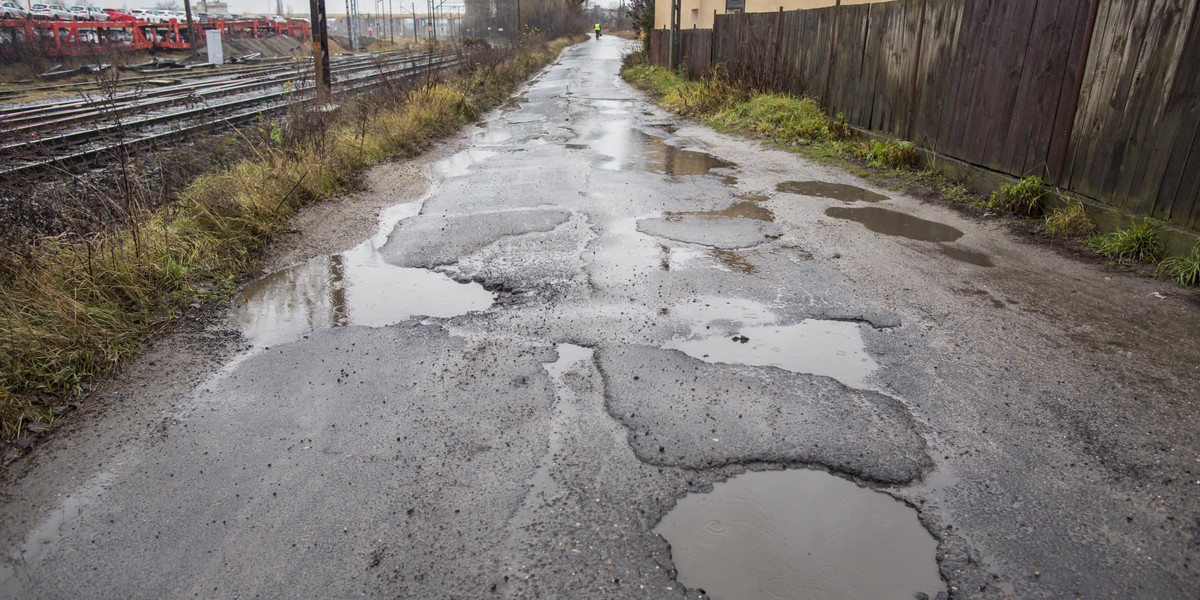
(1072, 221)
(1184, 270)
(893, 154)
(1022, 198)
(1140, 243)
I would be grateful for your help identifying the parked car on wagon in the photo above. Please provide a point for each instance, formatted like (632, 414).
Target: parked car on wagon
(51, 12)
(12, 10)
(117, 14)
(147, 15)
(87, 13)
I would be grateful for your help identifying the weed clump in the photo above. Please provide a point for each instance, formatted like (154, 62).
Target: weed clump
(1022, 198)
(1139, 243)
(1070, 222)
(1184, 270)
(893, 154)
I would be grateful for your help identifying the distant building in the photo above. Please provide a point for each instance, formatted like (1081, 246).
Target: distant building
(214, 8)
(698, 14)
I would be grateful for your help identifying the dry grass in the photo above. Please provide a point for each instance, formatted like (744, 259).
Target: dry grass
(72, 307)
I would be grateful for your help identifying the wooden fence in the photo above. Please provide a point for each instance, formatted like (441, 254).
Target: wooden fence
(1098, 96)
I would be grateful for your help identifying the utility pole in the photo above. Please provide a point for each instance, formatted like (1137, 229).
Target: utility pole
(414, 10)
(352, 17)
(187, 7)
(320, 48)
(391, 23)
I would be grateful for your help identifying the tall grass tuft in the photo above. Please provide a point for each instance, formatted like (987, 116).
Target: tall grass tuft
(1184, 270)
(1139, 243)
(1071, 221)
(1023, 198)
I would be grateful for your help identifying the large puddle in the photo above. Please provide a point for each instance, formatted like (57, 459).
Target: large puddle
(830, 348)
(835, 191)
(898, 224)
(356, 287)
(800, 534)
(744, 210)
(632, 149)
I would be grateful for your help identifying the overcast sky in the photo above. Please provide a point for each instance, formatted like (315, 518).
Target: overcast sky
(301, 6)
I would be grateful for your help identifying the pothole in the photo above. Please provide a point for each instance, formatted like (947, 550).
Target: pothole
(744, 210)
(817, 347)
(897, 224)
(825, 189)
(800, 534)
(633, 149)
(356, 287)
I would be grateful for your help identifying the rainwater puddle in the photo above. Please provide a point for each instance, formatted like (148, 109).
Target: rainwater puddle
(356, 287)
(800, 534)
(62, 522)
(978, 259)
(734, 260)
(460, 164)
(634, 149)
(893, 223)
(745, 210)
(824, 189)
(830, 348)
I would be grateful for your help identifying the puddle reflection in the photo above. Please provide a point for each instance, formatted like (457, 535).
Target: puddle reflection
(835, 191)
(898, 224)
(830, 348)
(800, 534)
(633, 149)
(356, 287)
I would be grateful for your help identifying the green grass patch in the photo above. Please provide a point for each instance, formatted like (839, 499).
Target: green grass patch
(1184, 270)
(1071, 221)
(893, 154)
(74, 308)
(1023, 198)
(1138, 244)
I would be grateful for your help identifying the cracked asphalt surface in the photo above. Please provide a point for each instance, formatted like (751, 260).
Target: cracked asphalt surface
(1038, 414)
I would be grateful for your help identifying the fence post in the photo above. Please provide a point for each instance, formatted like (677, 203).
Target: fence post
(837, 9)
(775, 64)
(675, 43)
(1083, 60)
(912, 99)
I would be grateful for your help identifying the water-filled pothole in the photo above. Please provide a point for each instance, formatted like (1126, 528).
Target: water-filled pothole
(745, 210)
(800, 534)
(635, 149)
(830, 348)
(356, 287)
(893, 223)
(825, 189)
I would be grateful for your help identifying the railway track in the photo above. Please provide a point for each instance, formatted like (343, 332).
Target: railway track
(62, 136)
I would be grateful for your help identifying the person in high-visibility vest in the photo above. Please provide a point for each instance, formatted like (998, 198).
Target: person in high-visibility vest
(597, 31)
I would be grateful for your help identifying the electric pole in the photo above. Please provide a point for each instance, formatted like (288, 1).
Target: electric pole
(187, 7)
(320, 48)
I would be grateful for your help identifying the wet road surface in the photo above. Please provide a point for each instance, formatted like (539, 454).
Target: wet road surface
(599, 314)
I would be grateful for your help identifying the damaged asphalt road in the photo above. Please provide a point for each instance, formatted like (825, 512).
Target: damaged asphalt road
(597, 314)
